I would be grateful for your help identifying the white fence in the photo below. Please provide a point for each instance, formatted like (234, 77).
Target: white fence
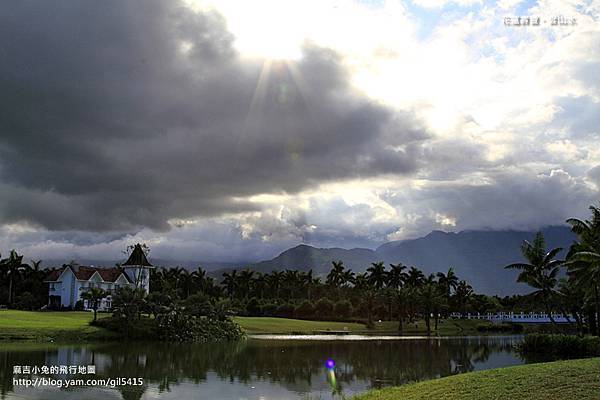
(532, 318)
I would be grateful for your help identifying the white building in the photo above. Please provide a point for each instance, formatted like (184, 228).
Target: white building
(66, 285)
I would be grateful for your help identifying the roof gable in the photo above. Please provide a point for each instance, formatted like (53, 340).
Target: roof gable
(84, 273)
(138, 257)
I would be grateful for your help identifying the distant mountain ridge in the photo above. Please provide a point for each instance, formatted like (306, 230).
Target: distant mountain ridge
(477, 256)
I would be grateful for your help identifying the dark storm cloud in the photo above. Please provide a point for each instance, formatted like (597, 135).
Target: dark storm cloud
(117, 115)
(506, 200)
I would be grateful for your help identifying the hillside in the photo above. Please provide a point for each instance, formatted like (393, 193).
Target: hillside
(477, 256)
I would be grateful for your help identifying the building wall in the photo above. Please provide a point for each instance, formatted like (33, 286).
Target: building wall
(133, 273)
(70, 289)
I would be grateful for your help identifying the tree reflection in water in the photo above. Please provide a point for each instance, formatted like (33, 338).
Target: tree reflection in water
(295, 365)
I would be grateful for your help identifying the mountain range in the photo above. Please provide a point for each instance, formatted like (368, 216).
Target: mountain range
(477, 256)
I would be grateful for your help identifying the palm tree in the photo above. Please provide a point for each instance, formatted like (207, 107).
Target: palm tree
(572, 301)
(363, 286)
(540, 271)
(13, 266)
(274, 280)
(291, 281)
(448, 281)
(347, 278)
(186, 282)
(93, 297)
(245, 282)
(35, 265)
(309, 281)
(430, 298)
(462, 293)
(230, 281)
(259, 285)
(199, 280)
(396, 276)
(334, 278)
(403, 296)
(377, 275)
(415, 277)
(584, 259)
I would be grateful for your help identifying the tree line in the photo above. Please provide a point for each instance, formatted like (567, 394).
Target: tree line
(395, 292)
(570, 285)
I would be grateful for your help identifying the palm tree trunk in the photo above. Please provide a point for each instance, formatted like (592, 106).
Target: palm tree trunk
(597, 309)
(549, 312)
(10, 284)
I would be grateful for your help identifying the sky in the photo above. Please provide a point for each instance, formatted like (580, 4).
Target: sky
(228, 131)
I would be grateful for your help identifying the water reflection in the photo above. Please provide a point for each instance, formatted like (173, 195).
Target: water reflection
(257, 369)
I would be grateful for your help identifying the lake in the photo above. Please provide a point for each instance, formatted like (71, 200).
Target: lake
(259, 368)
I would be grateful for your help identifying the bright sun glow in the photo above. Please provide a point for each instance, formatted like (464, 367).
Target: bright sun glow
(268, 29)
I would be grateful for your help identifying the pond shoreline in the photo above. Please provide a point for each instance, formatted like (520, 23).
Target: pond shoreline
(74, 326)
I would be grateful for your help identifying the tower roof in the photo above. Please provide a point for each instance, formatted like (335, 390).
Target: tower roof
(138, 257)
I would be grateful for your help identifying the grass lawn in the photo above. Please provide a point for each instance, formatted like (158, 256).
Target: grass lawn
(561, 380)
(445, 327)
(286, 325)
(18, 325)
(74, 325)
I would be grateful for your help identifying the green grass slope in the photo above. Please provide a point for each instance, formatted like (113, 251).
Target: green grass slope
(286, 325)
(74, 325)
(561, 380)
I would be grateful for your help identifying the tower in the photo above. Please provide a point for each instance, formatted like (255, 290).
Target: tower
(137, 267)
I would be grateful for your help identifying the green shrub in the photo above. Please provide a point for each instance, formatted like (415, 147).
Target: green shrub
(142, 329)
(180, 327)
(26, 301)
(285, 310)
(305, 309)
(324, 307)
(552, 347)
(196, 304)
(253, 308)
(78, 305)
(174, 326)
(343, 309)
(269, 310)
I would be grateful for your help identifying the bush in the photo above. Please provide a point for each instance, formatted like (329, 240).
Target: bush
(253, 308)
(285, 310)
(324, 307)
(197, 305)
(269, 310)
(26, 301)
(305, 309)
(142, 329)
(552, 347)
(78, 305)
(180, 327)
(343, 309)
(174, 326)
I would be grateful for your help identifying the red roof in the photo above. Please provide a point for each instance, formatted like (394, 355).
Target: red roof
(85, 273)
(53, 275)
